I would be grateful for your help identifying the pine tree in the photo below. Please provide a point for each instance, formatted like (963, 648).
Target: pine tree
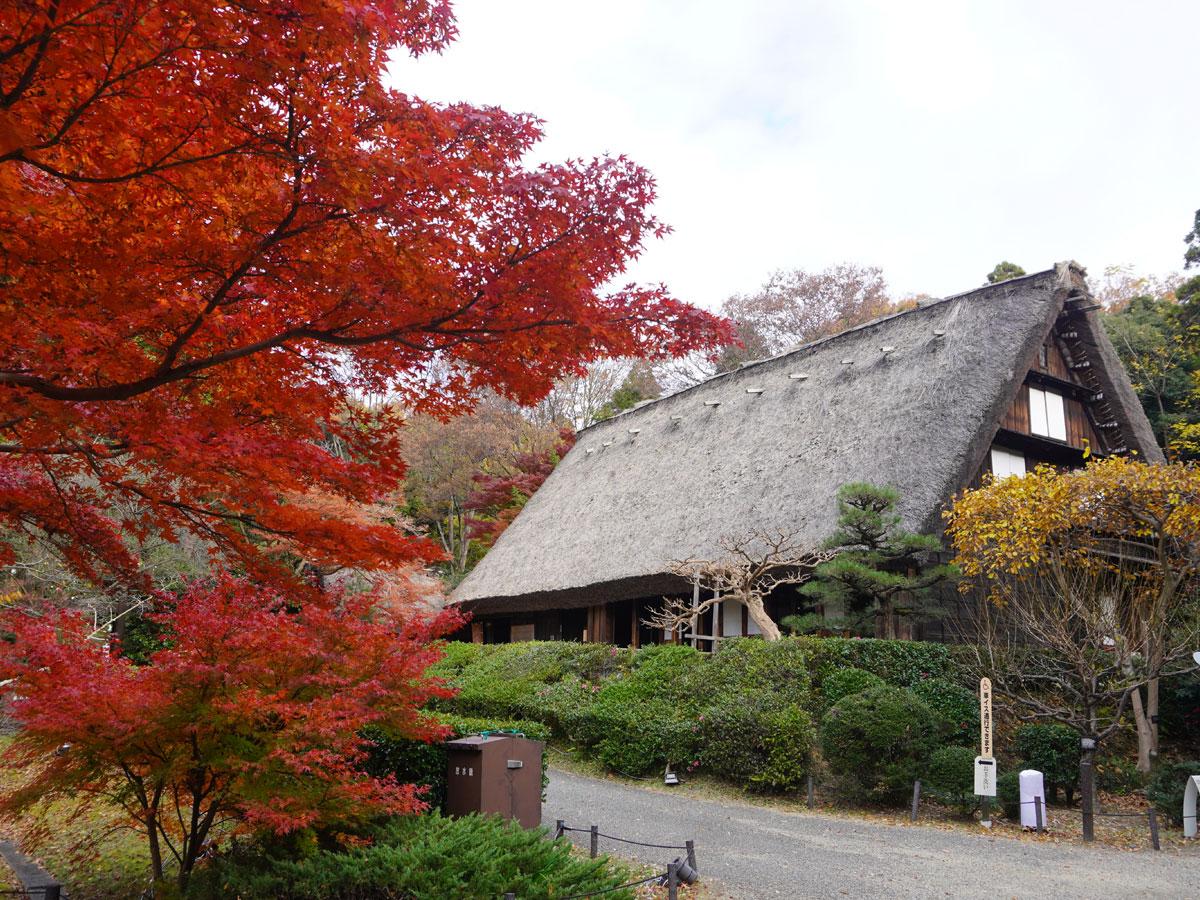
(881, 569)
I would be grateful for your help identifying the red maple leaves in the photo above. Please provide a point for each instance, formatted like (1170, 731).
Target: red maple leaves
(219, 228)
(252, 714)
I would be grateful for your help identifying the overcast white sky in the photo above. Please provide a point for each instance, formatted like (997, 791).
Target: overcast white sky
(932, 139)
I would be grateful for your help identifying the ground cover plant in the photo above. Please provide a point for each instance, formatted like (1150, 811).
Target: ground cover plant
(474, 857)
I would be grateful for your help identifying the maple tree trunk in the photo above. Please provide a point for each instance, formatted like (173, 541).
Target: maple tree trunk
(156, 862)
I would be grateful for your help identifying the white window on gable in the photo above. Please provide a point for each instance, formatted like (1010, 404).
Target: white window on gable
(1047, 414)
(1006, 463)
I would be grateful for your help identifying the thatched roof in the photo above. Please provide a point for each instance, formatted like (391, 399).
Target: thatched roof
(667, 480)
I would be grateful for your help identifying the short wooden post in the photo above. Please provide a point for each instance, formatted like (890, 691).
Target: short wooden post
(510, 896)
(1153, 814)
(595, 841)
(1087, 790)
(1037, 812)
(916, 804)
(560, 828)
(811, 793)
(672, 881)
(691, 854)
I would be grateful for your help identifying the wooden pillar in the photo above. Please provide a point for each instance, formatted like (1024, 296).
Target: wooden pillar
(600, 624)
(476, 632)
(635, 638)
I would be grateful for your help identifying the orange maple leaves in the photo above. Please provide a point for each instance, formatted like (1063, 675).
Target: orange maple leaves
(218, 227)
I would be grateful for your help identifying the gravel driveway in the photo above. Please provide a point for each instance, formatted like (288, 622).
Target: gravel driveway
(757, 852)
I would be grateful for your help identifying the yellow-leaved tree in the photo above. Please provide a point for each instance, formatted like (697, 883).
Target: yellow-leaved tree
(1087, 583)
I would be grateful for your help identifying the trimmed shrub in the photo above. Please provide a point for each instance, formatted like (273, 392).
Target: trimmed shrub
(759, 746)
(774, 672)
(1054, 751)
(879, 741)
(1008, 793)
(1167, 785)
(645, 737)
(845, 682)
(420, 857)
(950, 777)
(416, 762)
(956, 707)
(901, 663)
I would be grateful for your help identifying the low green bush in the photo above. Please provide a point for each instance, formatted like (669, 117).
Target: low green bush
(846, 682)
(879, 741)
(955, 706)
(1054, 751)
(424, 764)
(901, 663)
(773, 672)
(424, 857)
(950, 778)
(646, 737)
(1167, 785)
(1179, 709)
(1119, 775)
(1008, 793)
(761, 746)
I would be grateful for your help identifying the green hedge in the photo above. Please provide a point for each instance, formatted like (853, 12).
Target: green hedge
(845, 682)
(1054, 751)
(1167, 785)
(950, 777)
(424, 857)
(955, 706)
(639, 711)
(901, 663)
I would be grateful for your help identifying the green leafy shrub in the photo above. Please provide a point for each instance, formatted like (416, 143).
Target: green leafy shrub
(763, 747)
(511, 680)
(879, 741)
(1054, 751)
(901, 663)
(774, 672)
(845, 682)
(1179, 708)
(1118, 775)
(425, 857)
(1008, 793)
(645, 737)
(416, 762)
(1167, 785)
(950, 777)
(956, 707)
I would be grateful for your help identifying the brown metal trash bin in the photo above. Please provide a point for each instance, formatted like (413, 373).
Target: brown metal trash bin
(500, 774)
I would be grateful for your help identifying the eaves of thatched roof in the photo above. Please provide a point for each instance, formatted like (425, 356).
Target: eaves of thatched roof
(763, 447)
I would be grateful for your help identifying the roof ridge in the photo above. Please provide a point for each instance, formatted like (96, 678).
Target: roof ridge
(824, 339)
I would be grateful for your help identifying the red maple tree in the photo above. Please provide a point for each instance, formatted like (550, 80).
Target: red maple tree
(496, 499)
(218, 227)
(250, 717)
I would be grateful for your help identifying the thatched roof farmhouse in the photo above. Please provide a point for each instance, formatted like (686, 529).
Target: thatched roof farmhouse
(927, 400)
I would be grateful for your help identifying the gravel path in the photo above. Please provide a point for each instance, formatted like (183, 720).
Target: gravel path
(757, 852)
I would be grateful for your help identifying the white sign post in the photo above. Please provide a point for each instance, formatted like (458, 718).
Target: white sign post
(985, 764)
(985, 777)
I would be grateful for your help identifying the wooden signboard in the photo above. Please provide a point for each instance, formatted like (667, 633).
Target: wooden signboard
(985, 718)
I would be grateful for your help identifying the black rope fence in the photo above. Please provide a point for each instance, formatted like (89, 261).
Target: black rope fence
(677, 871)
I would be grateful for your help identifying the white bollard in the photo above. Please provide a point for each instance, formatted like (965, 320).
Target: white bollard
(1190, 793)
(1032, 785)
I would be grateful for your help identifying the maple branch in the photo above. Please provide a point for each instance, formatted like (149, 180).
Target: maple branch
(43, 41)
